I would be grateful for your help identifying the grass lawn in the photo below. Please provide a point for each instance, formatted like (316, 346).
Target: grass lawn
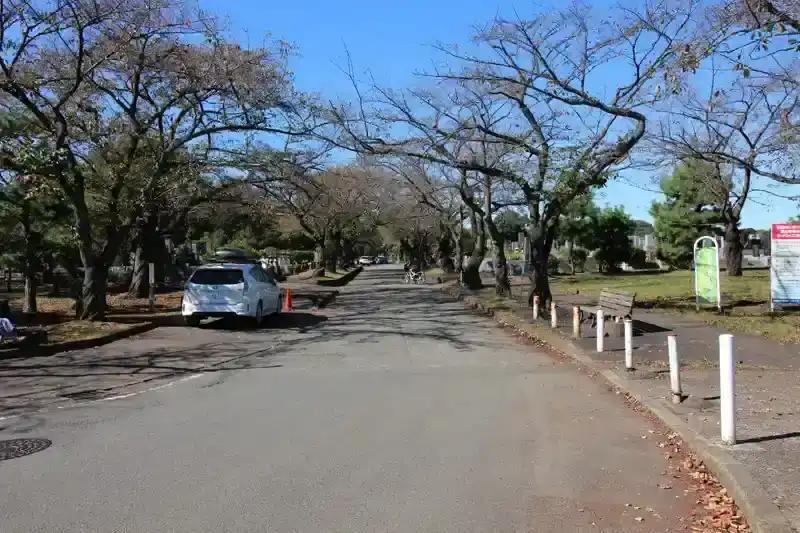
(83, 330)
(745, 298)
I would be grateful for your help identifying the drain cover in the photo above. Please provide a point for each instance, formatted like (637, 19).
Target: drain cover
(11, 449)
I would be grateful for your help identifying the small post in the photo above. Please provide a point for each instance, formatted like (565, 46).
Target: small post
(152, 280)
(629, 344)
(727, 390)
(674, 368)
(600, 331)
(536, 308)
(553, 315)
(576, 321)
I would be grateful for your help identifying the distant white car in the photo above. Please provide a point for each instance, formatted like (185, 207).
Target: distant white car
(366, 260)
(230, 290)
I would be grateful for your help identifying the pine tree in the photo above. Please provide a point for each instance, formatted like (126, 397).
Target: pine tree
(688, 212)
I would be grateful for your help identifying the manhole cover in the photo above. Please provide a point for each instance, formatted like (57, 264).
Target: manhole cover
(11, 449)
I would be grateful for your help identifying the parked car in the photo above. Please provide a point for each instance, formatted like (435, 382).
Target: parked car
(381, 260)
(366, 260)
(230, 290)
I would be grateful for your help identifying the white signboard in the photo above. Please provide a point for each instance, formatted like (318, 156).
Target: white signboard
(785, 269)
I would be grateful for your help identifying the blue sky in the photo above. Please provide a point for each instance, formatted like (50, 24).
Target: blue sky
(390, 39)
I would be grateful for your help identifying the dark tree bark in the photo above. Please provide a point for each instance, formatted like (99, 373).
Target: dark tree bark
(140, 282)
(540, 249)
(734, 248)
(93, 291)
(502, 286)
(31, 285)
(471, 275)
(332, 252)
(30, 267)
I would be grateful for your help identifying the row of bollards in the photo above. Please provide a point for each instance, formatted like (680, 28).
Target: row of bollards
(727, 369)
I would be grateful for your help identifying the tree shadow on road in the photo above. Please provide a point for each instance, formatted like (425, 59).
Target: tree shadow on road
(413, 312)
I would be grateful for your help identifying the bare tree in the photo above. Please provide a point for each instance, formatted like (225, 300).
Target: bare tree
(429, 186)
(735, 124)
(534, 108)
(331, 205)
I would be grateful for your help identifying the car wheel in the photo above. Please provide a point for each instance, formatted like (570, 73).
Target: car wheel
(259, 318)
(191, 321)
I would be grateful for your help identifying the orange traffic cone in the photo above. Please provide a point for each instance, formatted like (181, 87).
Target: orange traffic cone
(287, 302)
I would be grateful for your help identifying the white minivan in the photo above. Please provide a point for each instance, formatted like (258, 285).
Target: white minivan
(230, 290)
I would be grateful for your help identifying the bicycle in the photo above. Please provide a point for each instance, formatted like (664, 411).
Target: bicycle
(417, 278)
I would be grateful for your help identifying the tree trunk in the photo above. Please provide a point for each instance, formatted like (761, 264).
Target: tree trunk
(140, 282)
(570, 249)
(29, 305)
(8, 280)
(30, 267)
(457, 234)
(93, 297)
(471, 276)
(541, 246)
(733, 249)
(502, 286)
(319, 254)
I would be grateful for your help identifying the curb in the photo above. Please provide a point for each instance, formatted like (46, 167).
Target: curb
(68, 346)
(341, 282)
(762, 514)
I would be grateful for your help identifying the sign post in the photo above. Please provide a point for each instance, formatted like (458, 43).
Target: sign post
(706, 273)
(785, 265)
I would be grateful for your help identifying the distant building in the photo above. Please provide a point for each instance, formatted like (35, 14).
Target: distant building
(646, 242)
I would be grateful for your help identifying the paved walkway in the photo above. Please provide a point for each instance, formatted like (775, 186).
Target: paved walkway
(402, 412)
(767, 382)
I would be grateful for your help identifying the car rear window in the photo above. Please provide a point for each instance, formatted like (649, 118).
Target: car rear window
(217, 276)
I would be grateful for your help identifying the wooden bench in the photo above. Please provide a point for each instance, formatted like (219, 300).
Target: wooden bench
(616, 306)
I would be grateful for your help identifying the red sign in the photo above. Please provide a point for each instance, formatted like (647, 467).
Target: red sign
(785, 232)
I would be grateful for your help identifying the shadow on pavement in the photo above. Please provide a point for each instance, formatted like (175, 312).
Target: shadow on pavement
(413, 312)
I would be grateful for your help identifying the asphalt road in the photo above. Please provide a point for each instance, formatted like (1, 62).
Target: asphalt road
(401, 412)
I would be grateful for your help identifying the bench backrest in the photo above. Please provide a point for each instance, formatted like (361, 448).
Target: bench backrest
(617, 303)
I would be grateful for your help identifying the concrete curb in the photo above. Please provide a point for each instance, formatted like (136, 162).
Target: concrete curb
(762, 514)
(341, 282)
(48, 350)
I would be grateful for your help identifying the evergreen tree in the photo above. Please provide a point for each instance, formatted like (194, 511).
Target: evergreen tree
(688, 212)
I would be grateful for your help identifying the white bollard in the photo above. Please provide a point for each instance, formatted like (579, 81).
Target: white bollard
(601, 332)
(536, 308)
(576, 321)
(553, 316)
(727, 390)
(628, 344)
(674, 368)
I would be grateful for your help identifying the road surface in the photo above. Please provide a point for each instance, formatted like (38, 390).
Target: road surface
(401, 412)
